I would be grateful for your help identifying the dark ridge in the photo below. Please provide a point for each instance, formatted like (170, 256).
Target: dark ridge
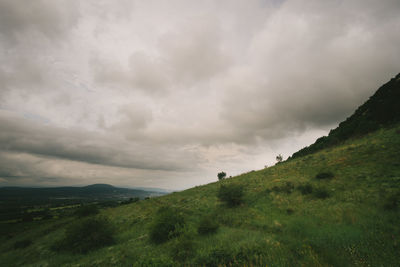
(379, 111)
(98, 186)
(101, 189)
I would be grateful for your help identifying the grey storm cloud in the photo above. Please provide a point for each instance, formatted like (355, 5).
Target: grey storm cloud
(51, 19)
(185, 56)
(21, 135)
(148, 92)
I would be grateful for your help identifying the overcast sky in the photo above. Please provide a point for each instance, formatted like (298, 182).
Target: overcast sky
(168, 93)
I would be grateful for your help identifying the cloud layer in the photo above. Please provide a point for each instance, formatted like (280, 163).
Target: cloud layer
(168, 93)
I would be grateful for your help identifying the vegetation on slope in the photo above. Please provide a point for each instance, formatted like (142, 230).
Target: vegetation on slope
(380, 110)
(336, 207)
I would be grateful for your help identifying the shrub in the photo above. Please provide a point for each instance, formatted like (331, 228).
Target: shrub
(87, 234)
(22, 244)
(207, 226)
(221, 175)
(165, 225)
(289, 211)
(231, 194)
(324, 175)
(321, 193)
(287, 188)
(183, 247)
(276, 189)
(305, 189)
(392, 202)
(87, 210)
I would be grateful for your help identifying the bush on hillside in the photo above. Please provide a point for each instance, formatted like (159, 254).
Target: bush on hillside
(165, 224)
(22, 244)
(287, 188)
(392, 202)
(231, 194)
(207, 226)
(324, 175)
(289, 211)
(87, 234)
(305, 189)
(321, 193)
(183, 247)
(87, 210)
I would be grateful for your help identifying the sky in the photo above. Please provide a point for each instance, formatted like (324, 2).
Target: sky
(167, 94)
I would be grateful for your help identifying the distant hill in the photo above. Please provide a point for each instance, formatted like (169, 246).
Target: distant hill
(90, 192)
(155, 189)
(380, 110)
(98, 187)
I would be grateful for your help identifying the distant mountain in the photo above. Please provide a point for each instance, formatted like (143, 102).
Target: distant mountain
(99, 186)
(154, 189)
(103, 189)
(90, 192)
(380, 110)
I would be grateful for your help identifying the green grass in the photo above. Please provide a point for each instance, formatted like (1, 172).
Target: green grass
(276, 225)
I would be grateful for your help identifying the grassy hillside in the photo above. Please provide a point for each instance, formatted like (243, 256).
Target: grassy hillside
(349, 216)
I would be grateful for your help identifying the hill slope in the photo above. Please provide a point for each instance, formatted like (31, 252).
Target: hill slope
(350, 218)
(380, 110)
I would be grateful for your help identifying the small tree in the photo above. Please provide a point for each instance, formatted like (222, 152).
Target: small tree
(279, 158)
(221, 175)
